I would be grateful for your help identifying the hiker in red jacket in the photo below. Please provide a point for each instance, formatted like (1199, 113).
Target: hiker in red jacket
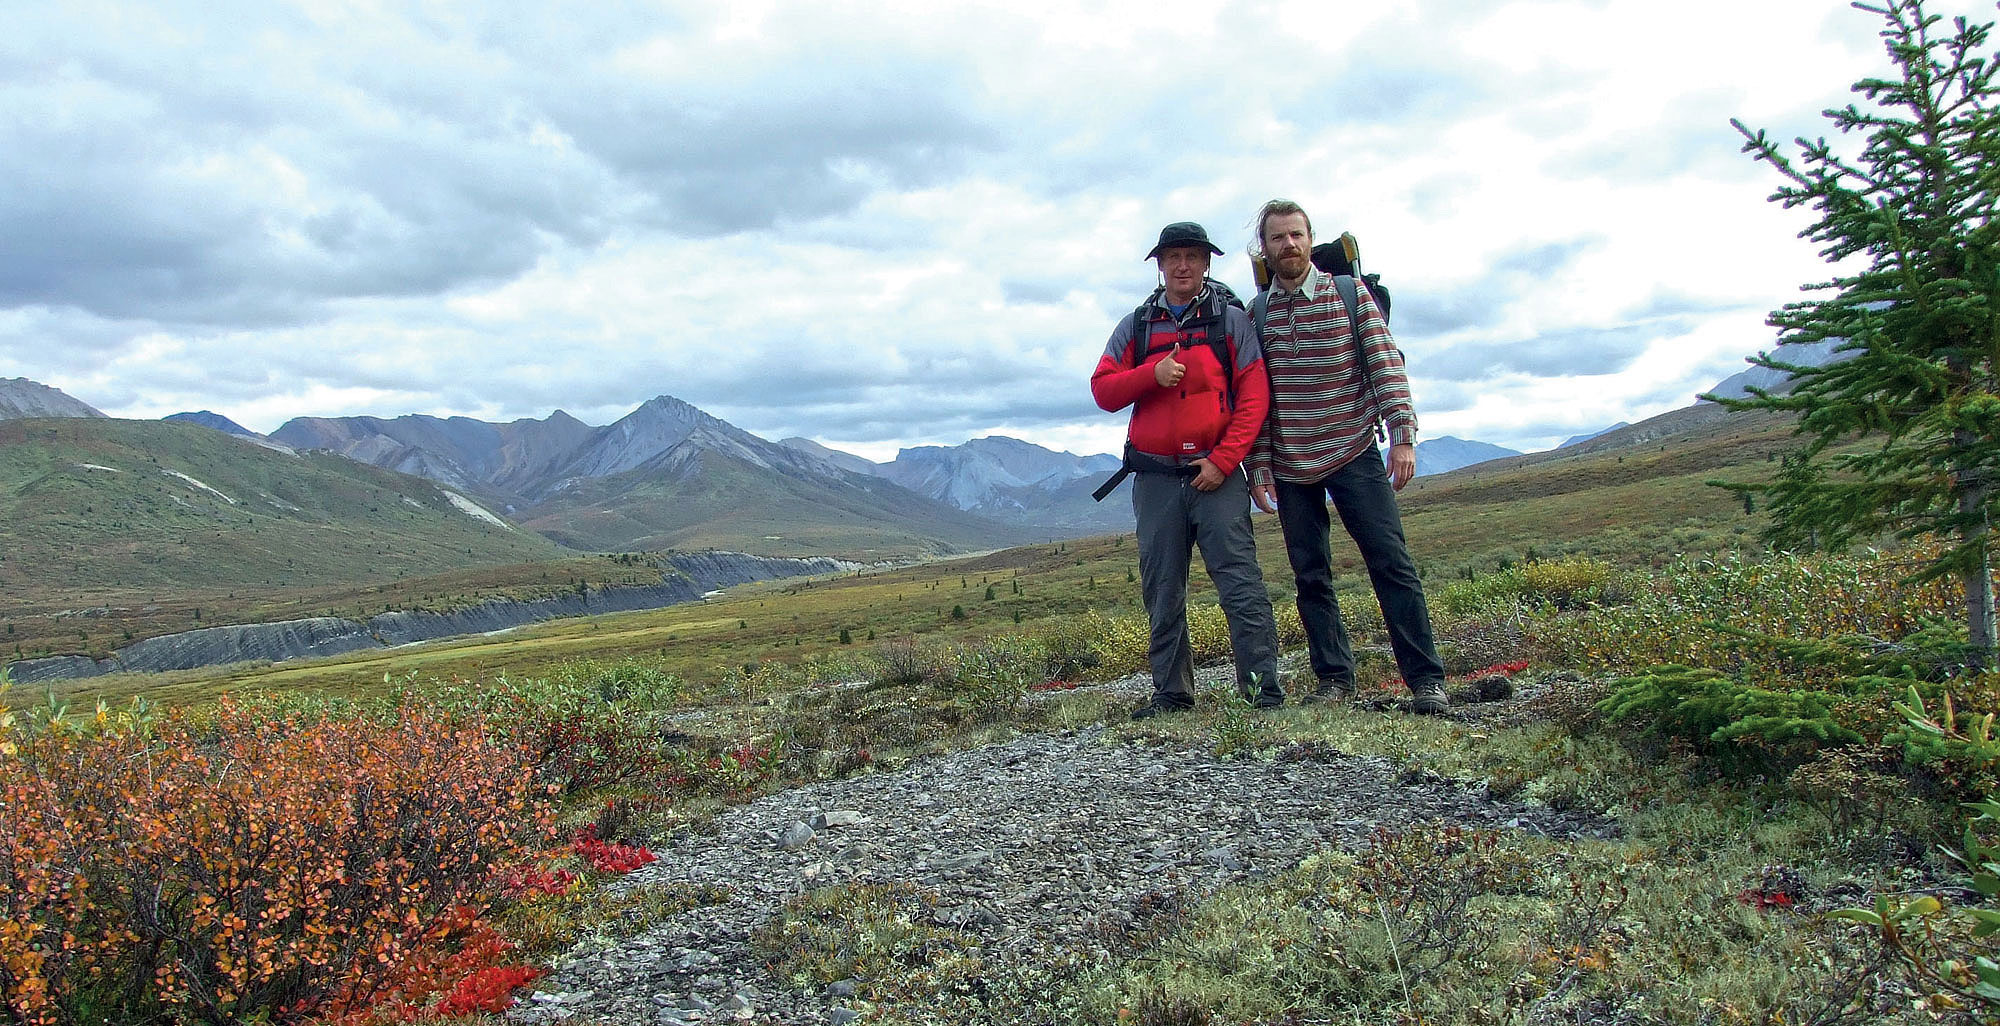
(1188, 364)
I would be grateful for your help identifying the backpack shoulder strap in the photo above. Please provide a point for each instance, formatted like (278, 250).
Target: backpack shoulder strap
(1260, 311)
(1345, 283)
(1142, 332)
(1224, 348)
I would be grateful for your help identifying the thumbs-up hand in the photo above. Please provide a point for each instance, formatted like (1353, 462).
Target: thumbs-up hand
(1169, 371)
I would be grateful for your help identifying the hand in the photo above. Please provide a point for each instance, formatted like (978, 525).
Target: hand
(1402, 464)
(1265, 496)
(1206, 478)
(1169, 371)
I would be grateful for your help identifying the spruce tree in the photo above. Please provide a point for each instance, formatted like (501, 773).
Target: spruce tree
(1900, 433)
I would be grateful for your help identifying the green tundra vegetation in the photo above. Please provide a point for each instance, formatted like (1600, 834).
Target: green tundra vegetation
(1644, 506)
(1736, 714)
(1735, 711)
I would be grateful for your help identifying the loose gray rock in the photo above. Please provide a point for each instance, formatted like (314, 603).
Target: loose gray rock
(798, 835)
(1039, 846)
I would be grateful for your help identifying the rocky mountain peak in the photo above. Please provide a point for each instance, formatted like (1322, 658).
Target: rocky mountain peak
(21, 398)
(216, 421)
(844, 460)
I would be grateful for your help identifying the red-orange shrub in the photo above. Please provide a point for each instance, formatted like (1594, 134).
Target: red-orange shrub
(250, 865)
(610, 856)
(43, 899)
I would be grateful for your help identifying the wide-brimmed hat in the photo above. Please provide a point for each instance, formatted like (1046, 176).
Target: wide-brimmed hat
(1184, 234)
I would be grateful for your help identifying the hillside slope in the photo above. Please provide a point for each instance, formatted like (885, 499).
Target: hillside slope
(92, 505)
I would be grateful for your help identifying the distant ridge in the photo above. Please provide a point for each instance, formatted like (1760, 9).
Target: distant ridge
(1807, 354)
(21, 399)
(217, 421)
(1574, 439)
(666, 475)
(844, 460)
(1653, 429)
(1014, 480)
(1444, 454)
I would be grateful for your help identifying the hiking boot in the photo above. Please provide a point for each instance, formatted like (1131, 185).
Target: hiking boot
(1430, 699)
(1162, 705)
(1333, 692)
(1269, 700)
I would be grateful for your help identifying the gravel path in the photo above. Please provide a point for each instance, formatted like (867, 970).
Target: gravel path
(1032, 846)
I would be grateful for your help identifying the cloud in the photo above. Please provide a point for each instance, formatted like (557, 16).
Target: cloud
(292, 175)
(1586, 351)
(876, 226)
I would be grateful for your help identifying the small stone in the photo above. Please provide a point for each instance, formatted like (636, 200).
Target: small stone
(798, 835)
(842, 1016)
(840, 989)
(1224, 857)
(838, 818)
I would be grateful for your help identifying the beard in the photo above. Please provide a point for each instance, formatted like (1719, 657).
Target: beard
(1292, 266)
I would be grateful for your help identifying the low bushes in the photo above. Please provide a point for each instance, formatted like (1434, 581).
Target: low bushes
(242, 866)
(1572, 582)
(585, 727)
(1786, 618)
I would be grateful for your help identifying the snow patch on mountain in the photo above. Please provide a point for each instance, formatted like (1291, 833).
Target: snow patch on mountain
(200, 485)
(473, 509)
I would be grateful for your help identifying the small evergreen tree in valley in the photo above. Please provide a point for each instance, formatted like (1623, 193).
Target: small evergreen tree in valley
(1917, 320)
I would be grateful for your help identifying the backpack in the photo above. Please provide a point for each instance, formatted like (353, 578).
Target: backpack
(1341, 258)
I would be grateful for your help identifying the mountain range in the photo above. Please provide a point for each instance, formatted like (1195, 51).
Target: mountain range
(668, 475)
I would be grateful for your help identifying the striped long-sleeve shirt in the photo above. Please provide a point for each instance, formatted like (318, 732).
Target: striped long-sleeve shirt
(1323, 411)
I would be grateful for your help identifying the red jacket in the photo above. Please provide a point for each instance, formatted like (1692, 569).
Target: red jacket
(1195, 417)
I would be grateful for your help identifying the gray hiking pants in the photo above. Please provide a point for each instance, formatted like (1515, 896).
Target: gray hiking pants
(1174, 518)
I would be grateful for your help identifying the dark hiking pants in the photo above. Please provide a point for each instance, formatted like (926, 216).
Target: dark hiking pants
(1361, 493)
(1173, 519)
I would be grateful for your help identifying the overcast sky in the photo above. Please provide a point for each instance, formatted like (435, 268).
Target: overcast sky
(880, 225)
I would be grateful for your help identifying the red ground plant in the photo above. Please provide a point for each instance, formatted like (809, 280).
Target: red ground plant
(249, 865)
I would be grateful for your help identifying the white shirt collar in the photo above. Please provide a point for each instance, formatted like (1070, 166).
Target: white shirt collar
(1315, 281)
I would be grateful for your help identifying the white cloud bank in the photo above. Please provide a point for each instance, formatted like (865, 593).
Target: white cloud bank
(879, 225)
